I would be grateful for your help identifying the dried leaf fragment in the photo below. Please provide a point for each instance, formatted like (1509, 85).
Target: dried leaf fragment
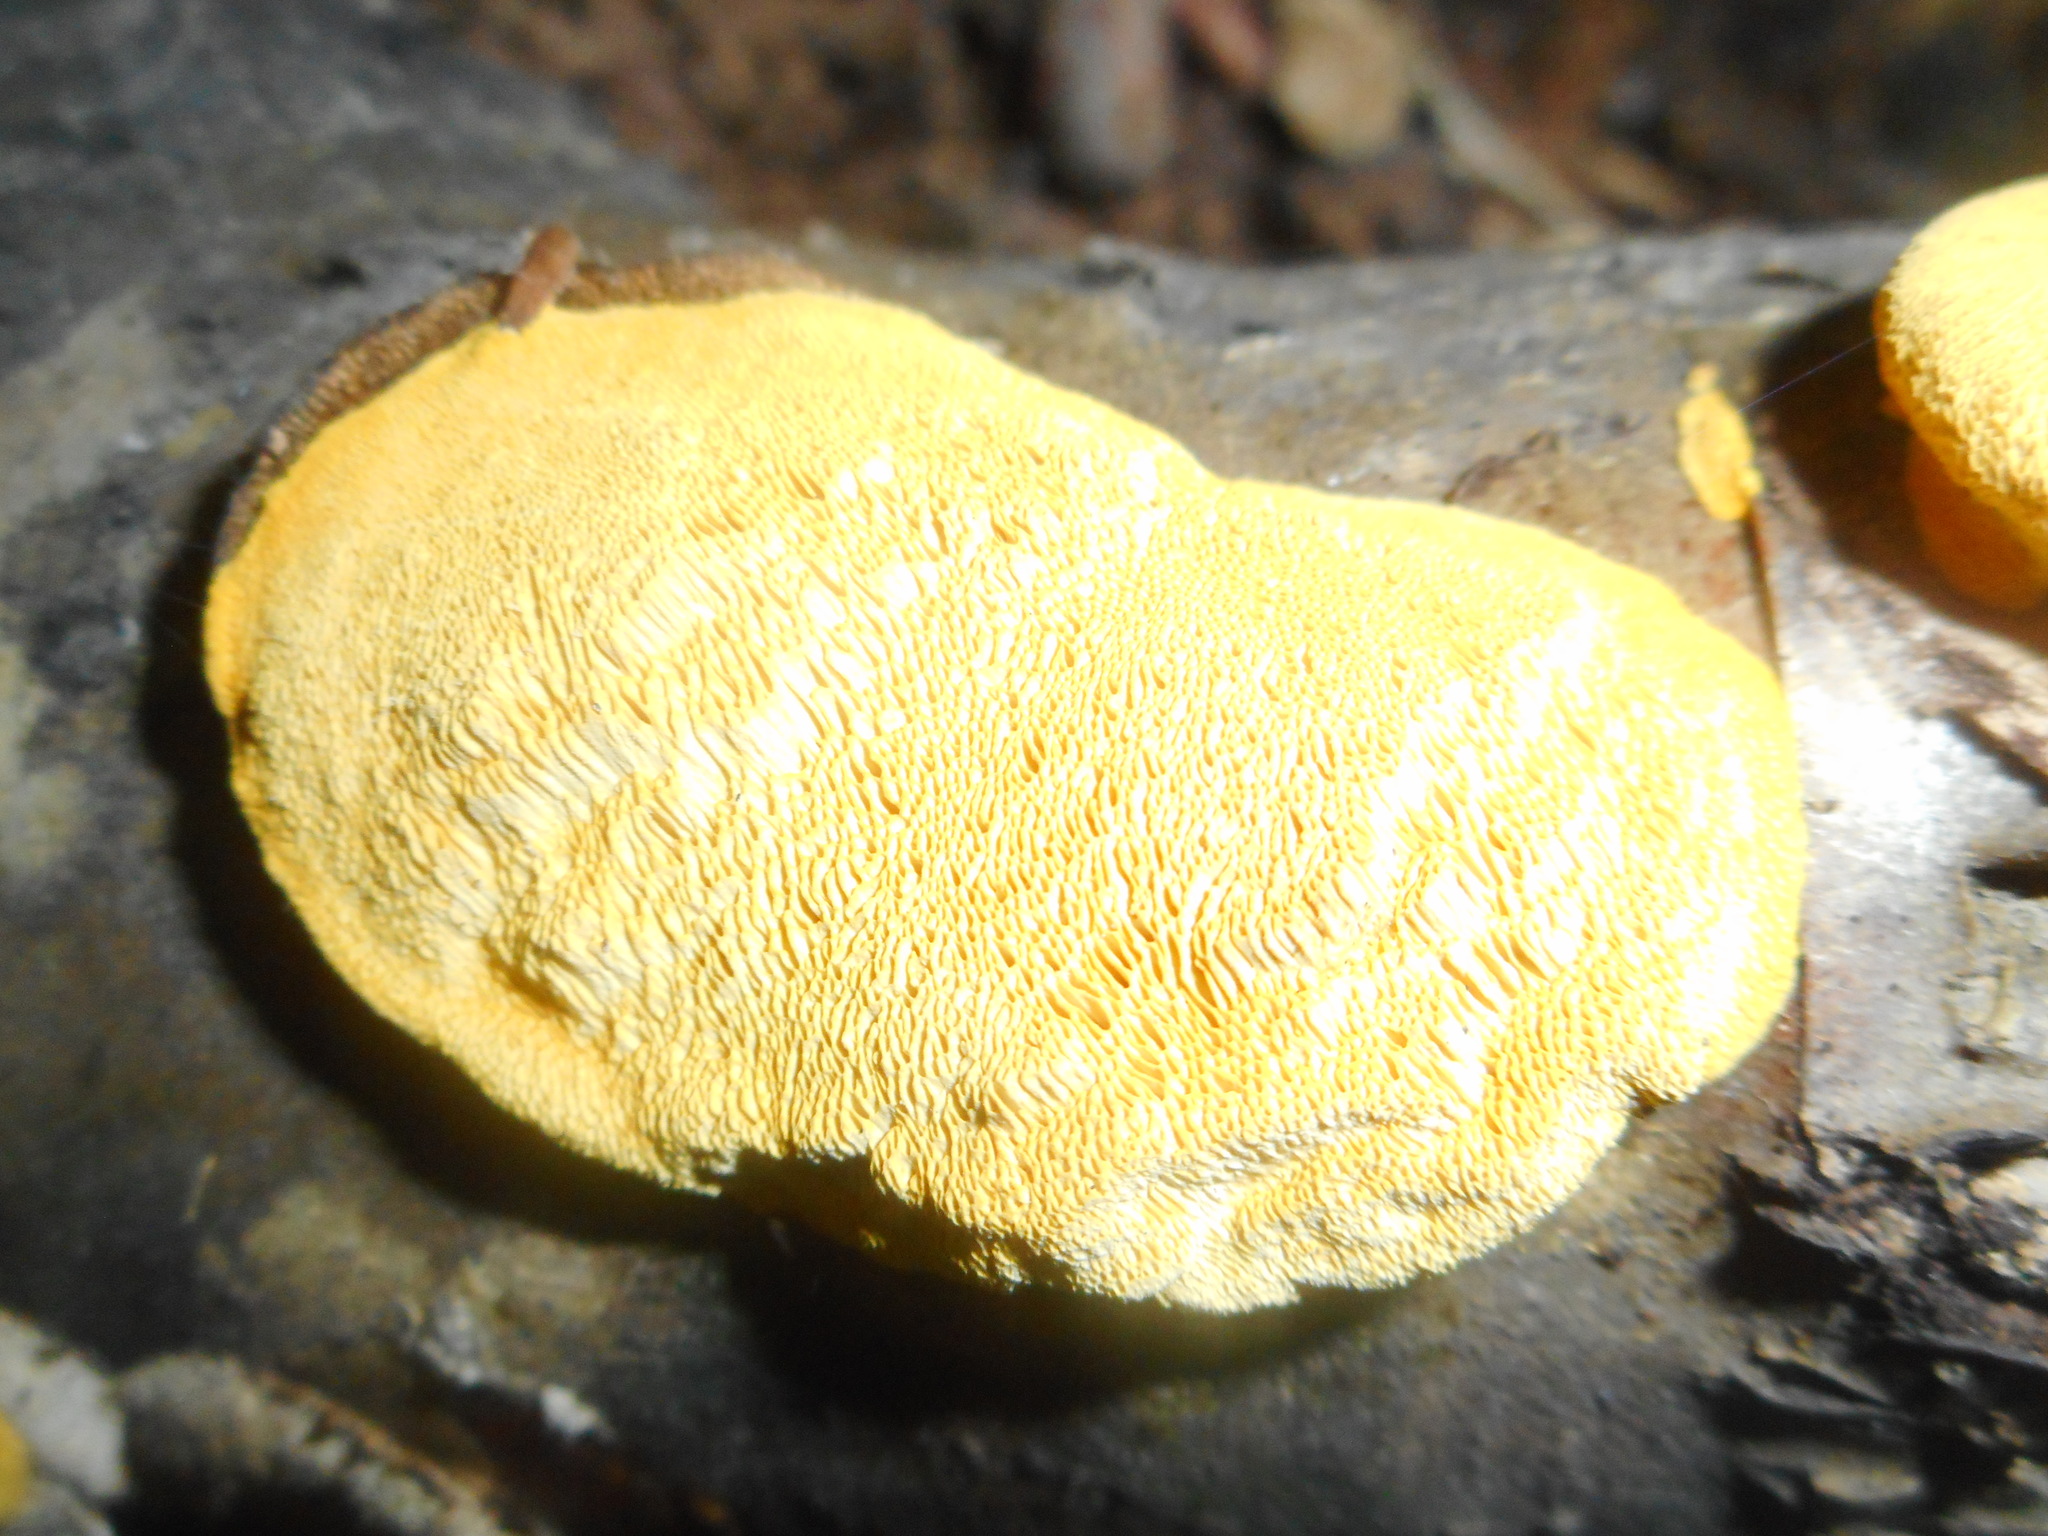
(1107, 69)
(1715, 450)
(1346, 74)
(1232, 37)
(1483, 150)
(1341, 77)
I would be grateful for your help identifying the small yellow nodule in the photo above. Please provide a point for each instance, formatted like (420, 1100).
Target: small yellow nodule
(17, 1470)
(1714, 449)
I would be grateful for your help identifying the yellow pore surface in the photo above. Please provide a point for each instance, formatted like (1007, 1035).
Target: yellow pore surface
(1962, 329)
(777, 727)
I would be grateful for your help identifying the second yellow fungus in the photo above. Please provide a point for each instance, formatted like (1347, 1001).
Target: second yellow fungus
(1962, 334)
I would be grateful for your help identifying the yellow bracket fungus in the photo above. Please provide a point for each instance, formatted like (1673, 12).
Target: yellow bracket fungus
(1962, 336)
(749, 727)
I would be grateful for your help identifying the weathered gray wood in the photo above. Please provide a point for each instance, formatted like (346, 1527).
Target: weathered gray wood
(206, 1143)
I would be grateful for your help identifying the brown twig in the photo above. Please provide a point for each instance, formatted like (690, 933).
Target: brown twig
(544, 271)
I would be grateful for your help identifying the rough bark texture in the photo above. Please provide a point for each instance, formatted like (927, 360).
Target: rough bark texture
(206, 1144)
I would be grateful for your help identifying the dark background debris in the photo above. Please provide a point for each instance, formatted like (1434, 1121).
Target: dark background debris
(1909, 1387)
(1026, 125)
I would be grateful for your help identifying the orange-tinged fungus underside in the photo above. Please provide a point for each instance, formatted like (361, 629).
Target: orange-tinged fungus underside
(1962, 335)
(776, 731)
